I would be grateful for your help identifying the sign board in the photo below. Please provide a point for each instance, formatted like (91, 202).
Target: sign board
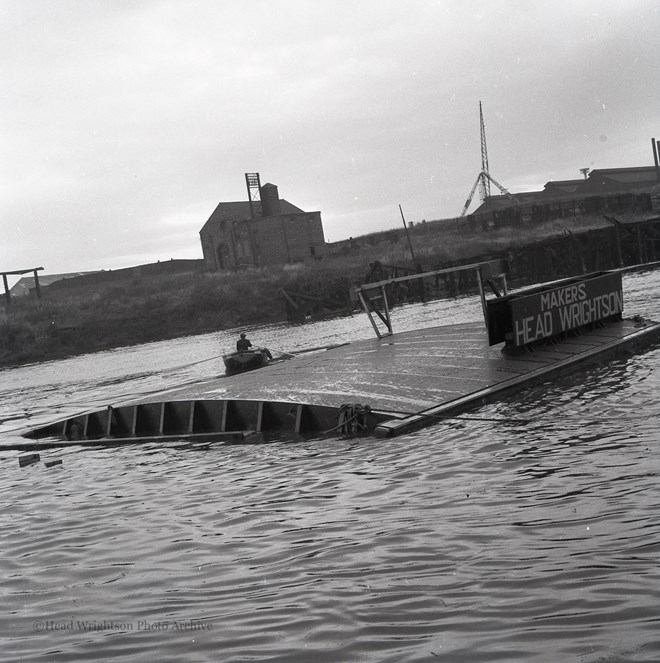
(551, 309)
(546, 313)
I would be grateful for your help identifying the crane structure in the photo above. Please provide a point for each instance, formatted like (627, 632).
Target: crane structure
(484, 178)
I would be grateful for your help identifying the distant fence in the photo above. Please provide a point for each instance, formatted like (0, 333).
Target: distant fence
(571, 254)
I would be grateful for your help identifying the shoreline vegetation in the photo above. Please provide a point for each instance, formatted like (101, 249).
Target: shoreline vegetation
(66, 322)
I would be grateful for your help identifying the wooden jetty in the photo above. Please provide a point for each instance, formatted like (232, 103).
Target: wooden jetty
(388, 385)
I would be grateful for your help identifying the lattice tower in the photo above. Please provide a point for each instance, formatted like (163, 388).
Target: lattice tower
(485, 178)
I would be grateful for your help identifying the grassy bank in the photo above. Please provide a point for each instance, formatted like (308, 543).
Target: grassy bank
(67, 322)
(63, 323)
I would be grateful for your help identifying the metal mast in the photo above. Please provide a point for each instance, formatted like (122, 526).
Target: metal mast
(484, 178)
(485, 181)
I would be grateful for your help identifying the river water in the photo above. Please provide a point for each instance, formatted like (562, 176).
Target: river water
(528, 530)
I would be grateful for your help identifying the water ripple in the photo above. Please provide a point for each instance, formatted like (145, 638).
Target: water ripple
(527, 531)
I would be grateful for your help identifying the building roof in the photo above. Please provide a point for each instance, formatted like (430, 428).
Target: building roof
(563, 186)
(496, 203)
(601, 181)
(239, 211)
(26, 283)
(639, 175)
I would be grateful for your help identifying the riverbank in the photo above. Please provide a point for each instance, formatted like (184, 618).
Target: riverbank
(68, 322)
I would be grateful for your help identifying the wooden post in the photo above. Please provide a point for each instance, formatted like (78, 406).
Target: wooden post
(422, 293)
(405, 227)
(617, 237)
(7, 295)
(36, 284)
(482, 296)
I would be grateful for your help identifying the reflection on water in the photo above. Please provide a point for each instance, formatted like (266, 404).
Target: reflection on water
(528, 530)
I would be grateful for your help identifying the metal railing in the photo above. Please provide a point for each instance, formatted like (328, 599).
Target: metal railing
(373, 296)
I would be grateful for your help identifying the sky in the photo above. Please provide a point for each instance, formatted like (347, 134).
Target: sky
(123, 123)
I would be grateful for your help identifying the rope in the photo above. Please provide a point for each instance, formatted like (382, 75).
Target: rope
(194, 363)
(352, 419)
(340, 425)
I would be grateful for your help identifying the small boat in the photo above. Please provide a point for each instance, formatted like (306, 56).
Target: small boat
(236, 362)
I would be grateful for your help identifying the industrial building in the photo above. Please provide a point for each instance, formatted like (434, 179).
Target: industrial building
(601, 191)
(262, 230)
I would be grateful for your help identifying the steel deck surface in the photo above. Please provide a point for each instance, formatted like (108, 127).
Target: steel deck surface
(411, 371)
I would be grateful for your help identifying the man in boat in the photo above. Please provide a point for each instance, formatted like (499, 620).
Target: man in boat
(243, 344)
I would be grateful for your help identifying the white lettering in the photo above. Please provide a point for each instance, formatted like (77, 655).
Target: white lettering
(564, 318)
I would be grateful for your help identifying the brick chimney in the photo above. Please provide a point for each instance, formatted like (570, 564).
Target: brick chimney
(270, 200)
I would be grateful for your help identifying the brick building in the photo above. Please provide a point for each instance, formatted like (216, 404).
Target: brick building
(265, 230)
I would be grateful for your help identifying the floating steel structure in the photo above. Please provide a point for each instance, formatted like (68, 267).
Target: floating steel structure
(388, 385)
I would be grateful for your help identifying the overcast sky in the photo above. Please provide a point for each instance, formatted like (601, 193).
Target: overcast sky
(123, 123)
